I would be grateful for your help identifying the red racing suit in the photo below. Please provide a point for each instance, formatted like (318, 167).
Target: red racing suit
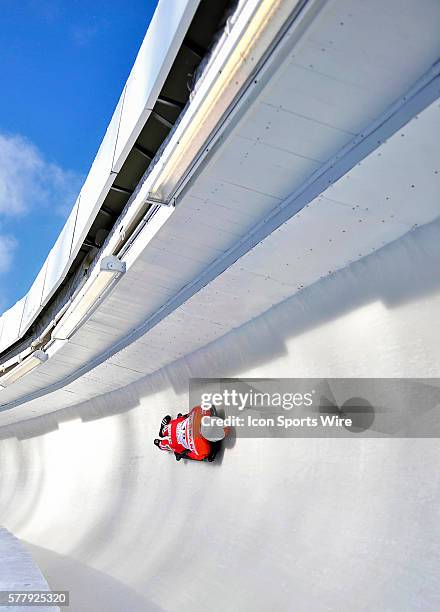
(183, 436)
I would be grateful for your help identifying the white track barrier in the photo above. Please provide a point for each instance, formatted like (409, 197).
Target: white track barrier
(293, 524)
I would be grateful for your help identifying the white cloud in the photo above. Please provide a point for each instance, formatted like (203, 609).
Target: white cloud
(8, 244)
(28, 181)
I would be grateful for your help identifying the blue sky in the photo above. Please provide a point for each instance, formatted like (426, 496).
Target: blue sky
(64, 64)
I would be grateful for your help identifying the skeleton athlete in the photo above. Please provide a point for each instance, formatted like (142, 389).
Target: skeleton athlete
(182, 436)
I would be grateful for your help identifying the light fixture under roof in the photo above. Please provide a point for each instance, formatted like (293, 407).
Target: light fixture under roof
(22, 368)
(95, 289)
